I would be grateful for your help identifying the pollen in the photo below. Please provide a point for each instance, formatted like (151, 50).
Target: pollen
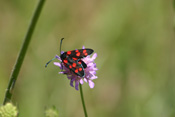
(69, 52)
(65, 61)
(76, 71)
(80, 69)
(78, 54)
(74, 64)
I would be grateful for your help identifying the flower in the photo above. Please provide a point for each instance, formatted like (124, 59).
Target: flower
(90, 71)
(52, 112)
(8, 110)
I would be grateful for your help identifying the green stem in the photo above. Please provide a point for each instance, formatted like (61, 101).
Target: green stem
(19, 61)
(82, 99)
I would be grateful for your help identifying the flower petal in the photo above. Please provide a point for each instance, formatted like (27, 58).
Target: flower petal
(92, 72)
(57, 57)
(94, 56)
(91, 84)
(57, 64)
(71, 83)
(81, 81)
(94, 77)
(90, 64)
(61, 72)
(85, 79)
(76, 84)
(62, 52)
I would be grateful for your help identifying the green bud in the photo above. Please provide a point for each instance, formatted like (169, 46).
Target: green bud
(8, 110)
(52, 112)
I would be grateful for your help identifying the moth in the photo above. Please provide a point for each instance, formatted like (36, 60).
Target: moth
(72, 60)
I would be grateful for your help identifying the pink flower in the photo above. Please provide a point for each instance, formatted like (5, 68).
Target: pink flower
(90, 71)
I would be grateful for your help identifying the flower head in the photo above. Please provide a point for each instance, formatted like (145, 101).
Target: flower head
(8, 110)
(90, 71)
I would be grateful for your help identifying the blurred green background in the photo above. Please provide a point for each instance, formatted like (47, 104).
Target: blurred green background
(134, 40)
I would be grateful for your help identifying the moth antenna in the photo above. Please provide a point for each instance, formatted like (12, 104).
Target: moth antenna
(55, 57)
(61, 45)
(60, 51)
(49, 62)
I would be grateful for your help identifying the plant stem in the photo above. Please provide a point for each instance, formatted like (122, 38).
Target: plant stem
(19, 61)
(82, 99)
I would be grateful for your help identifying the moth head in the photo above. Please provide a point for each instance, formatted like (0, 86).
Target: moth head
(63, 56)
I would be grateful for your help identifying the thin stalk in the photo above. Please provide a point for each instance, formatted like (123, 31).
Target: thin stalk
(82, 99)
(19, 61)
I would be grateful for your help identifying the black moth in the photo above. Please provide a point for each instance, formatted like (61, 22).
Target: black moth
(72, 60)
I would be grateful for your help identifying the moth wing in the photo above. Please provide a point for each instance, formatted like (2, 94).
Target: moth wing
(79, 70)
(82, 63)
(80, 53)
(76, 67)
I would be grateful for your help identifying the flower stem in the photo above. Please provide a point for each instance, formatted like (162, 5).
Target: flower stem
(82, 99)
(19, 61)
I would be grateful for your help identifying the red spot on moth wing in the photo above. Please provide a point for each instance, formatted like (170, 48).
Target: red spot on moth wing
(76, 71)
(74, 59)
(79, 62)
(80, 69)
(84, 51)
(78, 54)
(76, 51)
(65, 61)
(70, 66)
(85, 54)
(68, 52)
(74, 64)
